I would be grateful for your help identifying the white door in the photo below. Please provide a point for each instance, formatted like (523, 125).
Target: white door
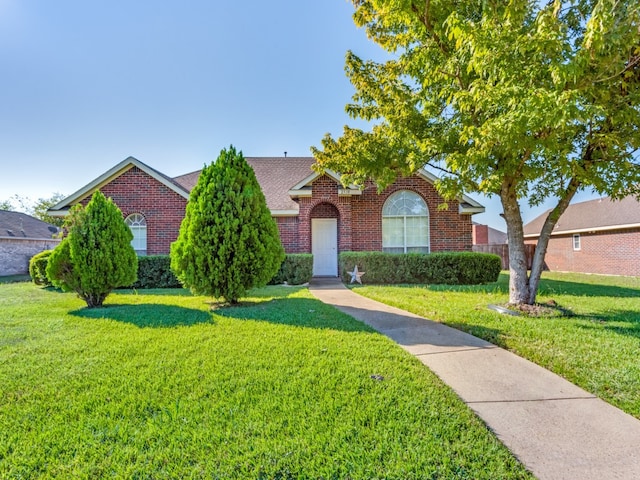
(324, 246)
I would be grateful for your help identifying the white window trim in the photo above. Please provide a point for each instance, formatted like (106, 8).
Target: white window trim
(404, 247)
(577, 242)
(141, 222)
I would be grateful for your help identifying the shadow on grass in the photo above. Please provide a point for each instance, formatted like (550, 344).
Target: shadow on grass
(15, 278)
(147, 315)
(182, 292)
(297, 312)
(622, 322)
(548, 287)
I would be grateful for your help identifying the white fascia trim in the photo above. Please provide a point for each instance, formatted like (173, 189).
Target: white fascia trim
(307, 192)
(588, 230)
(284, 213)
(108, 176)
(308, 180)
(58, 213)
(475, 207)
(470, 210)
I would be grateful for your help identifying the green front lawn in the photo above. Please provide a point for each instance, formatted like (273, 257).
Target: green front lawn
(156, 386)
(595, 343)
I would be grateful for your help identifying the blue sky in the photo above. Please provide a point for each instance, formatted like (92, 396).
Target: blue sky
(86, 84)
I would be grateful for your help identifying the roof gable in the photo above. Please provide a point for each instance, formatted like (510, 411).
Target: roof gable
(128, 163)
(277, 176)
(591, 215)
(467, 204)
(282, 179)
(21, 225)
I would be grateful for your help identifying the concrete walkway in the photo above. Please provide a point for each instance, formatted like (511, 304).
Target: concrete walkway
(557, 430)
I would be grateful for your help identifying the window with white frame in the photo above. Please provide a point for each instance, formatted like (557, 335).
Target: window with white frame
(405, 223)
(138, 226)
(576, 242)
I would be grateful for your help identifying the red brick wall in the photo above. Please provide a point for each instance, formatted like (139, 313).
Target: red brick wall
(448, 230)
(360, 216)
(325, 203)
(288, 227)
(614, 252)
(136, 192)
(480, 234)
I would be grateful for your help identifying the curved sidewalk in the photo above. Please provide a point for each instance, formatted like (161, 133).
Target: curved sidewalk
(557, 430)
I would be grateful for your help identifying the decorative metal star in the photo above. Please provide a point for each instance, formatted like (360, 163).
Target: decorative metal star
(355, 275)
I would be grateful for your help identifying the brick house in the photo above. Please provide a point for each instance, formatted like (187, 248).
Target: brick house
(314, 212)
(21, 237)
(597, 236)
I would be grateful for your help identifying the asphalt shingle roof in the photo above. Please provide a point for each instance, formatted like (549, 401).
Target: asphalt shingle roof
(601, 213)
(21, 225)
(276, 176)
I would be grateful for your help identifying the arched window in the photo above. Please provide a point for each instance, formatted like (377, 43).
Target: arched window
(405, 223)
(138, 225)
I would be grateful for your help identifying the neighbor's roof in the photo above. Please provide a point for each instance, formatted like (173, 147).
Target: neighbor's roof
(21, 225)
(592, 215)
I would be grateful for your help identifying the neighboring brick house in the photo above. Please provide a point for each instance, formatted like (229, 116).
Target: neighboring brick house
(596, 236)
(21, 237)
(486, 235)
(314, 212)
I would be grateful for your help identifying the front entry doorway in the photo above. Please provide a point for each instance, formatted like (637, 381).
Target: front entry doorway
(324, 246)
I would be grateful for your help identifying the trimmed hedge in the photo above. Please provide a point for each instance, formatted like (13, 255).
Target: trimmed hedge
(454, 268)
(38, 268)
(296, 269)
(154, 271)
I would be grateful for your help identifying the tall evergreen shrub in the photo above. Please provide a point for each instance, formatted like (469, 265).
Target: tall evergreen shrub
(228, 241)
(96, 256)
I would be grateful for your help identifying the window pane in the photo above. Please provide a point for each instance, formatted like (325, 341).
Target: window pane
(393, 249)
(404, 203)
(405, 223)
(417, 231)
(393, 232)
(417, 249)
(138, 226)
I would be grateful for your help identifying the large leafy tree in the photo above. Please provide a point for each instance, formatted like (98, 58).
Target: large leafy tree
(42, 205)
(526, 100)
(96, 256)
(228, 241)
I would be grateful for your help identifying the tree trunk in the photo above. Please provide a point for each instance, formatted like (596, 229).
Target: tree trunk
(523, 288)
(518, 280)
(545, 235)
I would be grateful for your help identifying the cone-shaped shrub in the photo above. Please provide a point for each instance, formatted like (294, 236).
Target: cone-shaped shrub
(228, 241)
(96, 256)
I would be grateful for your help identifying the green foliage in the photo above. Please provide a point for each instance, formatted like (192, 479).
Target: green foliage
(157, 386)
(296, 269)
(455, 268)
(228, 241)
(38, 268)
(96, 256)
(523, 100)
(154, 271)
(43, 204)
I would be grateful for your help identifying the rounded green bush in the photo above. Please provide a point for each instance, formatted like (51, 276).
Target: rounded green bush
(38, 268)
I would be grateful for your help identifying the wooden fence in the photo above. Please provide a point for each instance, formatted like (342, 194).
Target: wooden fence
(502, 250)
